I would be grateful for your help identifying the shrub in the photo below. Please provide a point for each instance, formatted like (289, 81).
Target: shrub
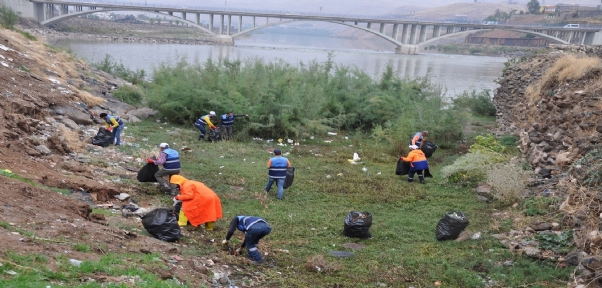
(109, 65)
(479, 103)
(538, 205)
(487, 143)
(471, 168)
(8, 17)
(589, 168)
(508, 181)
(129, 94)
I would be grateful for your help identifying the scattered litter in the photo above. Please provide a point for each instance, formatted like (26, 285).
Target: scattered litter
(328, 176)
(54, 81)
(75, 262)
(327, 141)
(10, 272)
(290, 141)
(332, 133)
(364, 169)
(311, 137)
(378, 173)
(351, 161)
(221, 156)
(185, 148)
(282, 250)
(356, 157)
(476, 236)
(220, 167)
(122, 196)
(340, 174)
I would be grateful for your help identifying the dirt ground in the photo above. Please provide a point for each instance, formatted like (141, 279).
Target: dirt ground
(39, 151)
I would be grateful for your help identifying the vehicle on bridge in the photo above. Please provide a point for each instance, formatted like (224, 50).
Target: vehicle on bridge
(571, 26)
(489, 22)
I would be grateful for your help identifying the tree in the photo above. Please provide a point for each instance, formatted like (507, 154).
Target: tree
(533, 7)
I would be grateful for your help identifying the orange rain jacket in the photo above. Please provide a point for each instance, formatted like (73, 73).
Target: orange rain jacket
(199, 203)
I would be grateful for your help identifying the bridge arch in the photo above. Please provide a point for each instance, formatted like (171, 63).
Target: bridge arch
(75, 14)
(390, 39)
(429, 41)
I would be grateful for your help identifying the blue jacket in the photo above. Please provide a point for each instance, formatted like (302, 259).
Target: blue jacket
(227, 120)
(172, 162)
(201, 121)
(245, 222)
(116, 119)
(278, 167)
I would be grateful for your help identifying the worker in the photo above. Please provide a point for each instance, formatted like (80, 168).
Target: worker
(418, 163)
(200, 204)
(418, 137)
(277, 172)
(254, 228)
(203, 122)
(115, 125)
(170, 159)
(227, 121)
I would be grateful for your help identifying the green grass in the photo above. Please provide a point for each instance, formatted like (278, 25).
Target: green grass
(309, 222)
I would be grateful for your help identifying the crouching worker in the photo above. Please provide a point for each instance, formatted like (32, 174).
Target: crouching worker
(418, 163)
(254, 228)
(199, 203)
(170, 159)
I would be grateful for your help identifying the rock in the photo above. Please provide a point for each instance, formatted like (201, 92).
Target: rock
(532, 252)
(574, 258)
(542, 226)
(592, 263)
(70, 124)
(483, 198)
(545, 173)
(75, 114)
(142, 113)
(43, 149)
(122, 196)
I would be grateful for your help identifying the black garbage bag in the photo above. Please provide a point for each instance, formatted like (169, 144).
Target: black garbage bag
(451, 225)
(215, 135)
(162, 224)
(357, 225)
(290, 176)
(403, 167)
(147, 173)
(428, 148)
(102, 138)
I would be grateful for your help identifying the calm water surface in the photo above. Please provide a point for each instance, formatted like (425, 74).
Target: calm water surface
(456, 73)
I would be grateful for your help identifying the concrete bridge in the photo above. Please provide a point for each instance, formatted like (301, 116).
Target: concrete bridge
(408, 36)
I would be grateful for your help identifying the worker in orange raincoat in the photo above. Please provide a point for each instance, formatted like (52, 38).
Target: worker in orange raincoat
(199, 203)
(418, 163)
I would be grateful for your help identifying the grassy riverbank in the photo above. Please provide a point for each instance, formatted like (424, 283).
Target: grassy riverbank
(308, 224)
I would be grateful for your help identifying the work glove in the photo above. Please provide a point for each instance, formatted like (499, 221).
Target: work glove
(150, 161)
(110, 129)
(224, 242)
(175, 201)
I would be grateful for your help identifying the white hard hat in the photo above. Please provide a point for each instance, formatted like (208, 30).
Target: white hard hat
(212, 113)
(413, 147)
(163, 145)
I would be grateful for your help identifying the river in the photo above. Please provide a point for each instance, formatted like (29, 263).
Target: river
(456, 73)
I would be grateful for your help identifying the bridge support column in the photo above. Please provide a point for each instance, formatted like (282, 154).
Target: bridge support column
(254, 23)
(404, 34)
(239, 23)
(450, 30)
(406, 49)
(583, 37)
(64, 10)
(229, 24)
(170, 13)
(211, 22)
(221, 24)
(184, 16)
(267, 20)
(571, 34)
(38, 12)
(198, 19)
(413, 34)
(436, 31)
(355, 23)
(225, 39)
(597, 38)
(369, 25)
(382, 28)
(422, 34)
(395, 31)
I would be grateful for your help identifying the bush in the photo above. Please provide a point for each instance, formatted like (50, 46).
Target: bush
(8, 17)
(479, 103)
(471, 168)
(129, 94)
(487, 143)
(508, 181)
(109, 65)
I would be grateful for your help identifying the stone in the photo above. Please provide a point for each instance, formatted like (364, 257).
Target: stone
(592, 263)
(43, 149)
(75, 114)
(542, 226)
(574, 258)
(142, 113)
(532, 252)
(483, 199)
(70, 124)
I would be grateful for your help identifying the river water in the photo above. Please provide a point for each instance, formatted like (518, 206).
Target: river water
(456, 73)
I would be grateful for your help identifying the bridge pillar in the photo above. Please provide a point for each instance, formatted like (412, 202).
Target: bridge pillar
(596, 38)
(382, 28)
(436, 31)
(422, 33)
(239, 23)
(184, 16)
(229, 24)
(355, 23)
(369, 25)
(267, 20)
(406, 49)
(450, 30)
(395, 31)
(254, 22)
(221, 24)
(38, 12)
(413, 34)
(211, 22)
(404, 34)
(570, 36)
(198, 18)
(170, 13)
(583, 38)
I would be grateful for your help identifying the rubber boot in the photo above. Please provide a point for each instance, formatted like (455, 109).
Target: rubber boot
(209, 226)
(182, 220)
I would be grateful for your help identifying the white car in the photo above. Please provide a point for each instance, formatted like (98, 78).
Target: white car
(292, 14)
